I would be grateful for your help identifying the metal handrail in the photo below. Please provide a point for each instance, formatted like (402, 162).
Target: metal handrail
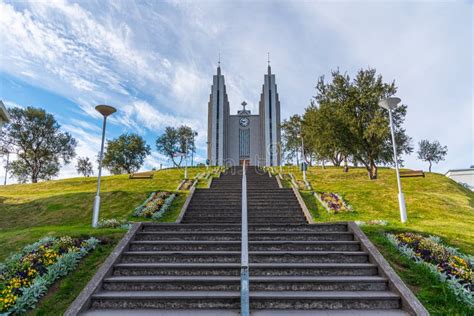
(244, 266)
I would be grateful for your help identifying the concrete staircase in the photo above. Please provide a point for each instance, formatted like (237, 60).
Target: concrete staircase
(269, 204)
(300, 267)
(193, 268)
(221, 203)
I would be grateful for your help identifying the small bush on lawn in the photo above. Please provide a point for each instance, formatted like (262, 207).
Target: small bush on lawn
(450, 265)
(26, 276)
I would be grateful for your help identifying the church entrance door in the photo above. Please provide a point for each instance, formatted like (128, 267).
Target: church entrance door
(247, 162)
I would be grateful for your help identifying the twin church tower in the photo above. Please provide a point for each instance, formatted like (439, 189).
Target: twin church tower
(244, 137)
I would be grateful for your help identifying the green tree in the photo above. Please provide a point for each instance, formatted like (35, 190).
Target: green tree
(84, 166)
(176, 142)
(321, 128)
(35, 137)
(125, 154)
(355, 123)
(291, 144)
(432, 152)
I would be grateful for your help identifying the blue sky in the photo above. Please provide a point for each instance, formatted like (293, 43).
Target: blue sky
(154, 61)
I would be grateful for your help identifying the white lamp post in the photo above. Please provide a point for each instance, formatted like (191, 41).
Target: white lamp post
(390, 104)
(280, 154)
(186, 156)
(105, 110)
(303, 160)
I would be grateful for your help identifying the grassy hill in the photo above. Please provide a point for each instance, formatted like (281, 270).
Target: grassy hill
(435, 204)
(30, 211)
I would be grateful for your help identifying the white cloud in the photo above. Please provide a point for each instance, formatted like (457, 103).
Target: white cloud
(11, 104)
(155, 61)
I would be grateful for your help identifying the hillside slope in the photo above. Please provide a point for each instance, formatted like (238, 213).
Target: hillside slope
(435, 204)
(28, 211)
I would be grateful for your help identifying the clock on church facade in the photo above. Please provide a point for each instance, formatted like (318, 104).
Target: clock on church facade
(244, 121)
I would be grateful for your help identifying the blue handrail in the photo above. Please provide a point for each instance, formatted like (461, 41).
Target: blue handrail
(244, 267)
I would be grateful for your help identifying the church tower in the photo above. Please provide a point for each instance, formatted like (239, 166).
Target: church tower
(245, 137)
(218, 121)
(269, 111)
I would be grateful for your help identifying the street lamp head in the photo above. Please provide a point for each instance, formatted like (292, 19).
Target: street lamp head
(389, 103)
(105, 110)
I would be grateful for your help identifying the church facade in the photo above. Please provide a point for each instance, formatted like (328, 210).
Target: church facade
(244, 137)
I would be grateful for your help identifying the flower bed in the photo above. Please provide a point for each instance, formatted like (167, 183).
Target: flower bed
(379, 222)
(113, 223)
(186, 185)
(450, 265)
(26, 276)
(301, 185)
(155, 206)
(333, 202)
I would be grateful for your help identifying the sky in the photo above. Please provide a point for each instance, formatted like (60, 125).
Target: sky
(154, 61)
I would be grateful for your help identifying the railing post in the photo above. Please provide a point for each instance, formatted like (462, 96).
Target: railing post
(244, 270)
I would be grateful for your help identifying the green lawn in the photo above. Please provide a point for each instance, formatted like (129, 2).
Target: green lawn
(29, 212)
(435, 204)
(69, 201)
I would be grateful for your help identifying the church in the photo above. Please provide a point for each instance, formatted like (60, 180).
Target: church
(235, 139)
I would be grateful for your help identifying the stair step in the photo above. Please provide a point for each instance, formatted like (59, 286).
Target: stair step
(324, 300)
(167, 299)
(256, 269)
(174, 228)
(232, 283)
(204, 235)
(203, 245)
(303, 236)
(193, 245)
(258, 299)
(301, 228)
(163, 312)
(177, 269)
(308, 256)
(181, 256)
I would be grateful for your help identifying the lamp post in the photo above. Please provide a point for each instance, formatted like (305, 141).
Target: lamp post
(105, 110)
(303, 162)
(390, 104)
(280, 155)
(186, 155)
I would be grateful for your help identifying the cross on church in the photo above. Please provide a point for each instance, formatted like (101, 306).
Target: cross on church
(244, 104)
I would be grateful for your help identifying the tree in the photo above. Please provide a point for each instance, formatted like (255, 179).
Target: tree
(176, 141)
(321, 129)
(6, 149)
(354, 124)
(290, 142)
(40, 146)
(125, 153)
(84, 166)
(431, 152)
